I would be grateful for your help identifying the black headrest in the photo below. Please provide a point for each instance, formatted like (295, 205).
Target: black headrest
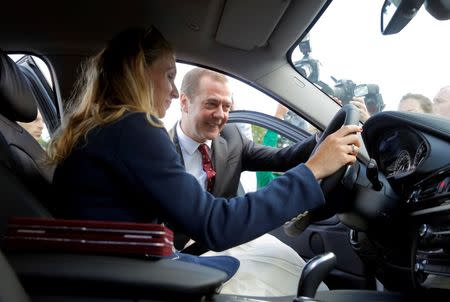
(17, 101)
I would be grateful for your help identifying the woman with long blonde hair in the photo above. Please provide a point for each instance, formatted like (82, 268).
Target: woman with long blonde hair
(115, 81)
(115, 160)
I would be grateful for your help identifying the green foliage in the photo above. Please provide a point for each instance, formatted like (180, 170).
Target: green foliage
(258, 137)
(258, 134)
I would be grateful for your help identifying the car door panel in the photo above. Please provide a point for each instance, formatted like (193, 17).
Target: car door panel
(323, 236)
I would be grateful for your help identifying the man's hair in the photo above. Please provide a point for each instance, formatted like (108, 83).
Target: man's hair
(424, 102)
(191, 80)
(443, 94)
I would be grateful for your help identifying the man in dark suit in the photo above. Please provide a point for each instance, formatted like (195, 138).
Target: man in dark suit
(205, 103)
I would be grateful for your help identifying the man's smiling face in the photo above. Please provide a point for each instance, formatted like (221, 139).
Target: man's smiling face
(206, 113)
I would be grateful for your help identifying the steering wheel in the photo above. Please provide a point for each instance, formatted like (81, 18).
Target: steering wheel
(347, 115)
(335, 185)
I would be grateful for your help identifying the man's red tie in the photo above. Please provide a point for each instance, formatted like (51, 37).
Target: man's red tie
(207, 167)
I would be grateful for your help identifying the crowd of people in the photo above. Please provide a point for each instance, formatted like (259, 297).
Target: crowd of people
(415, 102)
(439, 105)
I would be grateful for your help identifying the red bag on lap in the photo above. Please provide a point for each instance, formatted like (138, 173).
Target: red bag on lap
(110, 237)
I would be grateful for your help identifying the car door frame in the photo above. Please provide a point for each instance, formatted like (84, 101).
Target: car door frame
(45, 95)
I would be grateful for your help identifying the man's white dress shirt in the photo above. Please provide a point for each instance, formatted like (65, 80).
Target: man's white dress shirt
(192, 157)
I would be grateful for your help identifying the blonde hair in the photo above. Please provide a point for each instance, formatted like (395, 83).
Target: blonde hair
(113, 82)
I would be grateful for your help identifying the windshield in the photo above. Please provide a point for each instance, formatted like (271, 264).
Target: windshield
(346, 56)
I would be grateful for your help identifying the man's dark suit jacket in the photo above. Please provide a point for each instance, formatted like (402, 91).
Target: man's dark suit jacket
(233, 153)
(129, 170)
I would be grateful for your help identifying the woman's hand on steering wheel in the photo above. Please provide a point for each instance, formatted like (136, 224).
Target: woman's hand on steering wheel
(338, 149)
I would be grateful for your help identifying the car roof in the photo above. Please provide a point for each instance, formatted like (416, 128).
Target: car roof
(202, 31)
(249, 40)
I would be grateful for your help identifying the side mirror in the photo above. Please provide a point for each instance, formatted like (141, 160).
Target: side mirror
(439, 9)
(396, 14)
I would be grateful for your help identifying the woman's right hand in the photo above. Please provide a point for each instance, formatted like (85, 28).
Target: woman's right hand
(338, 149)
(359, 103)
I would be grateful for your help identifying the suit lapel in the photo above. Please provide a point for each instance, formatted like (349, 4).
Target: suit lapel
(174, 137)
(219, 152)
(219, 149)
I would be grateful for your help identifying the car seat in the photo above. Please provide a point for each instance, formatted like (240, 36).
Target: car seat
(25, 190)
(24, 174)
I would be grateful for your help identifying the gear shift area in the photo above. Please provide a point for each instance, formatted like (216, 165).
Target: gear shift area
(314, 272)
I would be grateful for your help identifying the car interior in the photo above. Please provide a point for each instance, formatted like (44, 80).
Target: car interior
(388, 236)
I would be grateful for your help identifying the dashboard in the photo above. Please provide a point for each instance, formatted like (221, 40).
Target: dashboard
(412, 209)
(401, 151)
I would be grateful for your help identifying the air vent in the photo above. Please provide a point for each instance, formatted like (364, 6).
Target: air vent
(436, 188)
(427, 192)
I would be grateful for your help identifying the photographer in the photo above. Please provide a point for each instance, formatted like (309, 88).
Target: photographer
(366, 97)
(360, 104)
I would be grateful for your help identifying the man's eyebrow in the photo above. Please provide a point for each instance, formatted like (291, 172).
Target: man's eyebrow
(212, 99)
(217, 100)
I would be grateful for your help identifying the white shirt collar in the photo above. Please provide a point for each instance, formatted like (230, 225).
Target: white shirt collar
(188, 144)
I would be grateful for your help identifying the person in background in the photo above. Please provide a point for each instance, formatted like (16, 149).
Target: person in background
(245, 128)
(414, 102)
(35, 127)
(271, 139)
(115, 160)
(441, 102)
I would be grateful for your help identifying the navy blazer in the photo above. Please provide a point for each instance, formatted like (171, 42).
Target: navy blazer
(233, 153)
(129, 170)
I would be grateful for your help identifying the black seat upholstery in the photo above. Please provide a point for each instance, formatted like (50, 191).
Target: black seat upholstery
(24, 175)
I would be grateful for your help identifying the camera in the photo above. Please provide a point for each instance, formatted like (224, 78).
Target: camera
(372, 97)
(307, 66)
(345, 90)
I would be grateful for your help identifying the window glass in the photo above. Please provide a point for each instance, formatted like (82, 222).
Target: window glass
(347, 57)
(41, 64)
(251, 181)
(245, 97)
(44, 69)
